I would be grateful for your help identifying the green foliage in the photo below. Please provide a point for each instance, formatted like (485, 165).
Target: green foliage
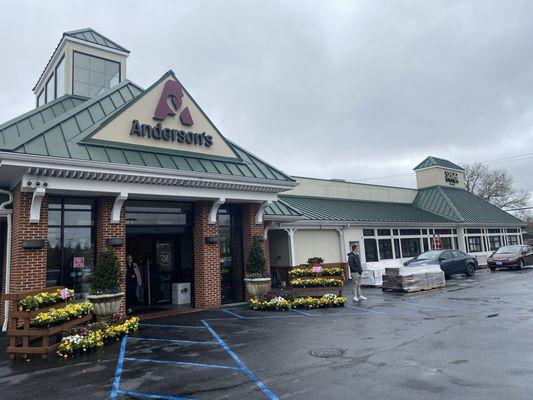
(256, 266)
(106, 277)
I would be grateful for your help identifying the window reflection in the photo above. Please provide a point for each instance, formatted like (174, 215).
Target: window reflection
(92, 75)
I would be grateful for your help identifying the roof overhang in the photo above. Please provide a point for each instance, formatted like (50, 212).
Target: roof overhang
(52, 169)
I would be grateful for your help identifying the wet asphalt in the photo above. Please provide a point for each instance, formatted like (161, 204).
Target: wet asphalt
(472, 340)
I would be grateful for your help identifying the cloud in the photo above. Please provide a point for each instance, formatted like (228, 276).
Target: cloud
(341, 89)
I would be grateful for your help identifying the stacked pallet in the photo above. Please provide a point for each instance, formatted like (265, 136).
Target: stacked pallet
(413, 279)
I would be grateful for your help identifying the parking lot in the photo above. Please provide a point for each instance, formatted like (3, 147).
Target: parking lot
(471, 340)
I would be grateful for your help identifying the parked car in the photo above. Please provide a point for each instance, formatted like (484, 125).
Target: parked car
(516, 256)
(450, 261)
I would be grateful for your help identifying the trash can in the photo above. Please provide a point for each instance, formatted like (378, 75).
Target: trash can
(181, 293)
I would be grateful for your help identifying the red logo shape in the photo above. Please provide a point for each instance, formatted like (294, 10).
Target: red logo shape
(173, 91)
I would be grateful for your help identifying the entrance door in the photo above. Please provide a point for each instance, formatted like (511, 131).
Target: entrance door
(164, 263)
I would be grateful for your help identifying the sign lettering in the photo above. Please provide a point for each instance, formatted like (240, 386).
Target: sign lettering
(451, 177)
(157, 132)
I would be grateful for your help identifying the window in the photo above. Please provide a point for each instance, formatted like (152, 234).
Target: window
(443, 231)
(383, 232)
(60, 78)
(229, 230)
(385, 249)
(93, 74)
(371, 250)
(139, 212)
(446, 255)
(494, 230)
(425, 243)
(446, 243)
(368, 232)
(70, 235)
(512, 230)
(50, 89)
(397, 248)
(473, 231)
(512, 239)
(410, 247)
(409, 232)
(424, 231)
(40, 98)
(395, 232)
(495, 242)
(474, 244)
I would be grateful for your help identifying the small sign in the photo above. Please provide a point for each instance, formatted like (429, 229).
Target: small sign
(78, 262)
(317, 269)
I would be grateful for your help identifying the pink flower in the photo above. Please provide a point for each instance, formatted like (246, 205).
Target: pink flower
(64, 293)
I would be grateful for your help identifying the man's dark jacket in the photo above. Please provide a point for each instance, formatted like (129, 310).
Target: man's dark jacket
(354, 261)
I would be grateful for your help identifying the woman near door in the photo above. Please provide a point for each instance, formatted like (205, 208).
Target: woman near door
(133, 282)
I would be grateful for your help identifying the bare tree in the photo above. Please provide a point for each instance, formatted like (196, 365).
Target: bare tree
(495, 186)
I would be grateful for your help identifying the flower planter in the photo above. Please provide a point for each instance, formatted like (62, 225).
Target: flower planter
(105, 305)
(257, 287)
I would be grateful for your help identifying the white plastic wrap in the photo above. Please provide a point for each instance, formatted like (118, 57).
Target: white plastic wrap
(413, 279)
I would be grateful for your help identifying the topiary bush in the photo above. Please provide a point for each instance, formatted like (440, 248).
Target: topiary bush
(106, 277)
(256, 266)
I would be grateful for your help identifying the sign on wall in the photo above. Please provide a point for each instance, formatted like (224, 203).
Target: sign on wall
(451, 177)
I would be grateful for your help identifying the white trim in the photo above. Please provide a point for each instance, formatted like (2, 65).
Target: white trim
(36, 201)
(213, 212)
(292, 254)
(96, 46)
(261, 212)
(117, 207)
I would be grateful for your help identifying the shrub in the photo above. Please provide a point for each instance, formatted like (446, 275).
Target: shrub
(256, 266)
(315, 261)
(106, 276)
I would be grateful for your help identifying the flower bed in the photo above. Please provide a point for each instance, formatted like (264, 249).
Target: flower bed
(315, 282)
(308, 272)
(43, 299)
(94, 336)
(56, 316)
(281, 304)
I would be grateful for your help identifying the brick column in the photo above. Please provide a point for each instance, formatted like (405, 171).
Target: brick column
(105, 230)
(206, 259)
(28, 267)
(249, 230)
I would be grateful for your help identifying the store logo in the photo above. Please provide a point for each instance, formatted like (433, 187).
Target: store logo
(170, 103)
(451, 177)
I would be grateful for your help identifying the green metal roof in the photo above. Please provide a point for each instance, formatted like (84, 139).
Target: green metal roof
(462, 206)
(63, 136)
(326, 209)
(437, 162)
(90, 35)
(21, 128)
(280, 208)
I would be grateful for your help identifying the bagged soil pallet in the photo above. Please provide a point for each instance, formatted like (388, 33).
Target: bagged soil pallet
(413, 279)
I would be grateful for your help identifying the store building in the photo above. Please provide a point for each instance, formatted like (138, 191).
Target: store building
(390, 224)
(102, 163)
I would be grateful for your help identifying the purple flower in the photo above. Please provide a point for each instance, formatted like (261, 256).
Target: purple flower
(64, 293)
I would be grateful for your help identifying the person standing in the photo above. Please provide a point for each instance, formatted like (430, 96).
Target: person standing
(356, 271)
(133, 281)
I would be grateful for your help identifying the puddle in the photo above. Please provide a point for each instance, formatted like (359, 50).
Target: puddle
(456, 362)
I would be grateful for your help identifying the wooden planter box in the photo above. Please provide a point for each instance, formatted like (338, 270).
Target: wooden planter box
(318, 291)
(24, 339)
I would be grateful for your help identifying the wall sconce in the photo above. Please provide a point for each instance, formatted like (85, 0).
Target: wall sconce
(114, 242)
(33, 244)
(212, 239)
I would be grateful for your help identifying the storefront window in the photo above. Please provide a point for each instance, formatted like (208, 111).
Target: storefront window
(409, 232)
(371, 250)
(70, 257)
(447, 243)
(385, 249)
(495, 242)
(474, 244)
(397, 248)
(368, 232)
(512, 239)
(383, 232)
(150, 213)
(231, 273)
(92, 74)
(410, 247)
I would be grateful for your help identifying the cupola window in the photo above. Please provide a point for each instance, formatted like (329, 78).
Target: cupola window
(92, 75)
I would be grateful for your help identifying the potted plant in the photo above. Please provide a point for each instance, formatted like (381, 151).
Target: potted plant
(257, 279)
(105, 293)
(315, 261)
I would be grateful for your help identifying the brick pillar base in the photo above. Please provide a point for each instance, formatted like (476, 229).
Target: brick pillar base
(105, 230)
(207, 282)
(250, 230)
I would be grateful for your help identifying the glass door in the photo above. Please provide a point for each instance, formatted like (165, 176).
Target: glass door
(164, 262)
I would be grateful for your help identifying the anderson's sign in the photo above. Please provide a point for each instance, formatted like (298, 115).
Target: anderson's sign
(169, 104)
(157, 132)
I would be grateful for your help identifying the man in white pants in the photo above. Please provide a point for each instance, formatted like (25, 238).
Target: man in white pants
(356, 271)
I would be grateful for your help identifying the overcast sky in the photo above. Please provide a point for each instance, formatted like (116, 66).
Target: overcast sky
(331, 89)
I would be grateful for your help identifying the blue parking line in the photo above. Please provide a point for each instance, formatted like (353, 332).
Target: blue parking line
(118, 370)
(151, 395)
(174, 340)
(232, 313)
(172, 326)
(301, 312)
(191, 364)
(242, 366)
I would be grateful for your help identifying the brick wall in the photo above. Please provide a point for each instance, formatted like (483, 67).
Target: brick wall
(206, 259)
(105, 230)
(28, 267)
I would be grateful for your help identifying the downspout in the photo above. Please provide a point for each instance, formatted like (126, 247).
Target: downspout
(8, 255)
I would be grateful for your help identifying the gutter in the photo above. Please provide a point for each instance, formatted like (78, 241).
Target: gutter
(8, 254)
